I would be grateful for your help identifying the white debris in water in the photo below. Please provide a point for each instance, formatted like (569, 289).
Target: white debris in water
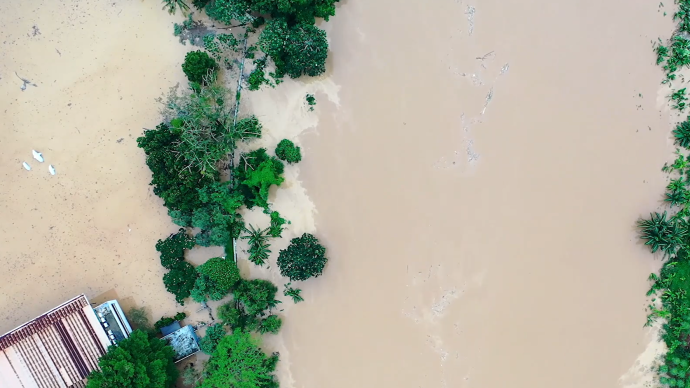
(51, 169)
(26, 166)
(37, 155)
(446, 299)
(470, 17)
(505, 68)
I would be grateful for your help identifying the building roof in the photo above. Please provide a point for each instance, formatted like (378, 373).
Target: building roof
(55, 350)
(184, 341)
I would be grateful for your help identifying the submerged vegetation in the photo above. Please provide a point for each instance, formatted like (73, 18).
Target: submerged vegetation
(207, 186)
(668, 232)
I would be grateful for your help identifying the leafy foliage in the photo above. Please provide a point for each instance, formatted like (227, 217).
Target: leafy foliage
(217, 277)
(305, 257)
(256, 173)
(138, 361)
(214, 334)
(198, 65)
(236, 318)
(661, 233)
(173, 5)
(288, 151)
(277, 223)
(217, 217)
(258, 245)
(270, 324)
(296, 50)
(239, 362)
(682, 133)
(256, 295)
(139, 318)
(172, 248)
(174, 180)
(294, 293)
(165, 321)
(180, 280)
(311, 100)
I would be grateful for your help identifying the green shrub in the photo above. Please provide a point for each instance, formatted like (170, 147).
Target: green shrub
(277, 222)
(294, 293)
(288, 151)
(217, 278)
(165, 321)
(682, 133)
(661, 233)
(256, 173)
(198, 65)
(258, 245)
(303, 258)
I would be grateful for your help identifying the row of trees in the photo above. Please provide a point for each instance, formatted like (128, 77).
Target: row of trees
(191, 155)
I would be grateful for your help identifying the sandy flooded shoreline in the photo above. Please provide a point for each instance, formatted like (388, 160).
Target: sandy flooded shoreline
(475, 170)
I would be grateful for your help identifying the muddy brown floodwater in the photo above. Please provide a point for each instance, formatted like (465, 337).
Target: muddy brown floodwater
(474, 168)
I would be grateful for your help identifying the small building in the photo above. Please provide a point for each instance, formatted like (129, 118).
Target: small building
(183, 340)
(61, 347)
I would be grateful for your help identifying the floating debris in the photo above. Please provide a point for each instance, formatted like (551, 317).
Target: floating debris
(25, 81)
(26, 166)
(37, 155)
(470, 17)
(505, 68)
(51, 169)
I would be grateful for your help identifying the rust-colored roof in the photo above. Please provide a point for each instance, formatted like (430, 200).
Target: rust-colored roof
(56, 350)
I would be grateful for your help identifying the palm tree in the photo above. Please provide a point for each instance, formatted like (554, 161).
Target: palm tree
(682, 134)
(173, 5)
(661, 233)
(258, 245)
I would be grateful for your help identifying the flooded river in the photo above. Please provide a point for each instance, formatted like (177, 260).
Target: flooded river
(475, 170)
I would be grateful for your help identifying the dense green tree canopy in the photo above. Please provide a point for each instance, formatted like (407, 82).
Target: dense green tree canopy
(296, 50)
(172, 248)
(303, 258)
(214, 334)
(238, 362)
(217, 277)
(302, 11)
(217, 217)
(256, 173)
(288, 151)
(180, 280)
(139, 361)
(270, 324)
(256, 295)
(174, 180)
(198, 65)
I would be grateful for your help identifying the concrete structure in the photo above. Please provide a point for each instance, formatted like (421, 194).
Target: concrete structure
(60, 348)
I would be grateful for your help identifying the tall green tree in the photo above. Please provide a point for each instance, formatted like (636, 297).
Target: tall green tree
(173, 179)
(172, 248)
(296, 50)
(256, 173)
(305, 257)
(139, 361)
(258, 245)
(180, 280)
(217, 277)
(256, 295)
(214, 334)
(238, 362)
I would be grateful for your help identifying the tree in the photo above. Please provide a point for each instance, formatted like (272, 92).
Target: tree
(198, 65)
(305, 257)
(256, 295)
(288, 151)
(180, 280)
(256, 173)
(217, 277)
(238, 362)
(236, 318)
(139, 318)
(173, 5)
(270, 324)
(214, 334)
(138, 361)
(172, 248)
(174, 180)
(296, 50)
(258, 245)
(663, 234)
(218, 218)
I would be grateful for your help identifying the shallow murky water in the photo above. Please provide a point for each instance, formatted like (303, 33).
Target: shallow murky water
(475, 170)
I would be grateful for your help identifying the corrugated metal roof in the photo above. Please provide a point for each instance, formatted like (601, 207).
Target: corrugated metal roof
(56, 350)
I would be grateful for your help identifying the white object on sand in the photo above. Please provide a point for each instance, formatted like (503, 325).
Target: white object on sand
(37, 155)
(51, 169)
(26, 166)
